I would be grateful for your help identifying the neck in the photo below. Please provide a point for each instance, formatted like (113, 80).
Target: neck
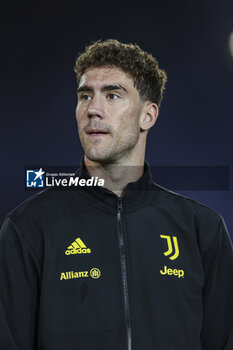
(116, 176)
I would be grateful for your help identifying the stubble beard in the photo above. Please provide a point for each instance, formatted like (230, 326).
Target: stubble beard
(112, 152)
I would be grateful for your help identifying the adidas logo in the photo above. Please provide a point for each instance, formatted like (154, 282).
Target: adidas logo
(77, 247)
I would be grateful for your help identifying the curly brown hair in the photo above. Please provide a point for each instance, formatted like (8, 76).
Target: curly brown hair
(141, 66)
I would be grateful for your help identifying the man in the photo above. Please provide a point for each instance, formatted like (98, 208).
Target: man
(131, 266)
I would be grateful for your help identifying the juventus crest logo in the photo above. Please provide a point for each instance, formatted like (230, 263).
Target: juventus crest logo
(174, 251)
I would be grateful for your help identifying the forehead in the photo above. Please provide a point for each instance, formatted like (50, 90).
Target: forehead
(99, 76)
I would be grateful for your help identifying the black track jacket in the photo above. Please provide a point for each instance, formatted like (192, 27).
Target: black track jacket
(82, 269)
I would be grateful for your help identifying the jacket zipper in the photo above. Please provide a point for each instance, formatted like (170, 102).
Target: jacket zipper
(124, 273)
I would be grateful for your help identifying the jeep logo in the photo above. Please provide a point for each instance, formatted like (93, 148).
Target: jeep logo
(175, 272)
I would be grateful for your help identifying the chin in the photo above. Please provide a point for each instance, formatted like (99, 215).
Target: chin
(94, 157)
(99, 158)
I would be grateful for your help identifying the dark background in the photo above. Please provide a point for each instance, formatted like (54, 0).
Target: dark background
(39, 45)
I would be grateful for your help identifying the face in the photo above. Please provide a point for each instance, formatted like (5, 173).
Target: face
(108, 113)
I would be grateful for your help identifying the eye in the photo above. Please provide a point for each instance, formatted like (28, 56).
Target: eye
(112, 96)
(85, 97)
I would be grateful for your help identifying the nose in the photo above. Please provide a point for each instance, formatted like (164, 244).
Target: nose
(96, 108)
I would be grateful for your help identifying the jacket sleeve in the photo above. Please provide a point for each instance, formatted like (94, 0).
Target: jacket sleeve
(217, 330)
(19, 290)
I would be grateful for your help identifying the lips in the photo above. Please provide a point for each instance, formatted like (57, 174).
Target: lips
(96, 132)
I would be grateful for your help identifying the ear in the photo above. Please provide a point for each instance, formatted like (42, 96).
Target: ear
(149, 115)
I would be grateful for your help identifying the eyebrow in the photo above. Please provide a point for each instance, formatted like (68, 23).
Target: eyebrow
(103, 88)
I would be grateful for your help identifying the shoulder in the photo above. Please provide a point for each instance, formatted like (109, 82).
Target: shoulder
(45, 205)
(40, 218)
(180, 203)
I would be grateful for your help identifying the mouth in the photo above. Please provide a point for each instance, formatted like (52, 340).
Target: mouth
(97, 132)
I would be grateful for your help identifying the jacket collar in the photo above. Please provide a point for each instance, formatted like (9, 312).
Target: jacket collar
(134, 194)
